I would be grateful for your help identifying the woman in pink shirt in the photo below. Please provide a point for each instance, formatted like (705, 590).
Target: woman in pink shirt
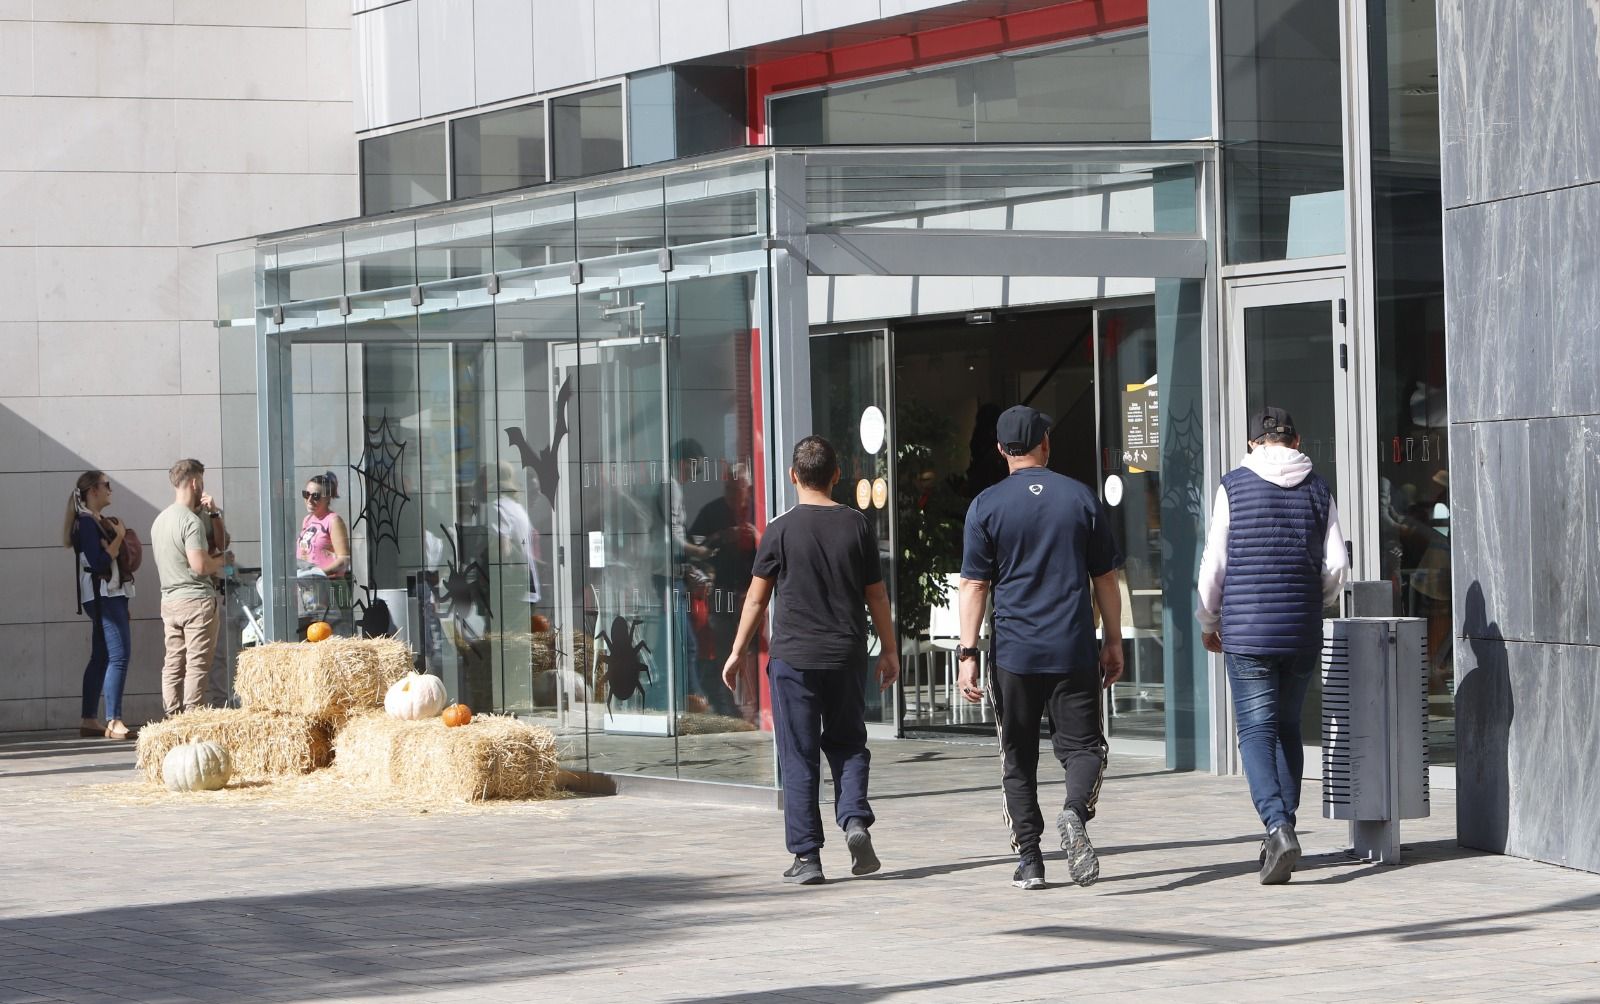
(324, 541)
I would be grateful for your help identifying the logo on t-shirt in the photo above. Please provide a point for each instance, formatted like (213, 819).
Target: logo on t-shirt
(1037, 489)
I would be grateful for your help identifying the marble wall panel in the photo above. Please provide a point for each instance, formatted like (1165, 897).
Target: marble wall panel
(1591, 476)
(1516, 348)
(1584, 93)
(1484, 709)
(1463, 521)
(1545, 114)
(1581, 726)
(1503, 571)
(1571, 356)
(1468, 258)
(1562, 535)
(1538, 759)
(1485, 61)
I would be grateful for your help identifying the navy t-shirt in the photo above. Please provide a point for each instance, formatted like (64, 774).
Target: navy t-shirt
(1037, 537)
(824, 558)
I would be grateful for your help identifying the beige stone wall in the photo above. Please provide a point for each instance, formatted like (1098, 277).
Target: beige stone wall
(131, 132)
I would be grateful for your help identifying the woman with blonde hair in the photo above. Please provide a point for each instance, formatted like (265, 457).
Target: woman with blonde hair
(96, 541)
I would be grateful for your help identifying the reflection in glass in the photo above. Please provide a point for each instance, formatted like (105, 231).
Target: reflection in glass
(1408, 283)
(586, 132)
(1092, 91)
(1131, 421)
(403, 169)
(1283, 170)
(498, 150)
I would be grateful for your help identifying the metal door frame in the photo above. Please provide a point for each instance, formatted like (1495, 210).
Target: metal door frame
(1239, 295)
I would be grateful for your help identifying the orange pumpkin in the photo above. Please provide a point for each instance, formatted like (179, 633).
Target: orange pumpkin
(318, 631)
(457, 714)
(541, 623)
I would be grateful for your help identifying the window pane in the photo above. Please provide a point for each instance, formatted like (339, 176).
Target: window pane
(1284, 159)
(402, 170)
(1094, 91)
(587, 132)
(498, 151)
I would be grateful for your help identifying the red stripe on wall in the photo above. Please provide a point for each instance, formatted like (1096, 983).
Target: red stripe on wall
(984, 37)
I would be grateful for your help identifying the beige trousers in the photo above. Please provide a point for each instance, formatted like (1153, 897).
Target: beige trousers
(191, 624)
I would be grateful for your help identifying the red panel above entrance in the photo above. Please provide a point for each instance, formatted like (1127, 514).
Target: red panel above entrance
(982, 37)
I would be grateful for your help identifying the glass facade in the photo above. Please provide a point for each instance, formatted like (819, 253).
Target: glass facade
(544, 438)
(586, 132)
(497, 151)
(553, 417)
(1408, 292)
(403, 170)
(1092, 91)
(1282, 129)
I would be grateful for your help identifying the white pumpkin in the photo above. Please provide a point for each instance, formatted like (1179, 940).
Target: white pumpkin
(415, 696)
(202, 766)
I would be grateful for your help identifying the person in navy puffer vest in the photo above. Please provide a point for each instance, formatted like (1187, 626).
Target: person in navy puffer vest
(1274, 558)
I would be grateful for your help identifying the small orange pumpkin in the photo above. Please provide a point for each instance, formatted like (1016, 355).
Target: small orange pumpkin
(318, 631)
(541, 623)
(457, 714)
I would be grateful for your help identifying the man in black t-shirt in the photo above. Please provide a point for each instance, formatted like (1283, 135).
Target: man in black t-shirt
(822, 560)
(1038, 540)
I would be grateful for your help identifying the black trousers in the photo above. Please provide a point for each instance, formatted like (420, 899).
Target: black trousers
(819, 713)
(1072, 703)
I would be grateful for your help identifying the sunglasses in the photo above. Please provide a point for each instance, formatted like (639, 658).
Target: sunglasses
(312, 496)
(106, 485)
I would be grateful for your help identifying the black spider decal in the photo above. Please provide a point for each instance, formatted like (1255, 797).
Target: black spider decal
(465, 587)
(624, 665)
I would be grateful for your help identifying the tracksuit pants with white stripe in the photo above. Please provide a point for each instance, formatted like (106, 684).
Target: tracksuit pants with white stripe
(1072, 703)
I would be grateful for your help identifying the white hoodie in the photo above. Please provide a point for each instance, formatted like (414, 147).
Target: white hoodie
(1285, 468)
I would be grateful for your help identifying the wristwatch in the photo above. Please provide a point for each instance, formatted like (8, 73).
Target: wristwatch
(966, 652)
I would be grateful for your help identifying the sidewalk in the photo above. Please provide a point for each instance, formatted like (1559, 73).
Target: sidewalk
(635, 899)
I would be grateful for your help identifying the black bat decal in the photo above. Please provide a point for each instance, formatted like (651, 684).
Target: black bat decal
(543, 462)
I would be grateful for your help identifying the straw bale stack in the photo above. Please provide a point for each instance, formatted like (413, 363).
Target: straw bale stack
(327, 679)
(492, 757)
(261, 743)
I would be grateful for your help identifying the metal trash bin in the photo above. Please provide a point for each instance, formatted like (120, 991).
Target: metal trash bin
(1374, 729)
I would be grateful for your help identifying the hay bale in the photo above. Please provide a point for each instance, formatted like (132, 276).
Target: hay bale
(327, 679)
(261, 743)
(696, 723)
(493, 757)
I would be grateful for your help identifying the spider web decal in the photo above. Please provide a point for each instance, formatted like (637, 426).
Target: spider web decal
(1183, 457)
(379, 471)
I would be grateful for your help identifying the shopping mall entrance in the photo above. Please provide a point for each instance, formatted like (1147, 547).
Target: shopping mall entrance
(911, 404)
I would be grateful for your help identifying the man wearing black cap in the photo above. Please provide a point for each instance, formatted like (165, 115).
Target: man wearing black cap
(1037, 540)
(1274, 559)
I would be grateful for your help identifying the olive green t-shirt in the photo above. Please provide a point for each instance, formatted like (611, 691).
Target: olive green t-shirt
(177, 531)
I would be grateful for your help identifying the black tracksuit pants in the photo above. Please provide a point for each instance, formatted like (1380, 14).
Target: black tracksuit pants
(1072, 702)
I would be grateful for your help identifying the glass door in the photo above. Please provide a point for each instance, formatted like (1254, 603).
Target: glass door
(1287, 346)
(851, 408)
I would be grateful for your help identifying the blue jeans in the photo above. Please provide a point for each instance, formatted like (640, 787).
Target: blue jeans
(1268, 694)
(108, 656)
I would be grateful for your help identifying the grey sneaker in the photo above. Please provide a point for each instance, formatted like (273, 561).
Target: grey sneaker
(863, 859)
(1030, 870)
(806, 870)
(1279, 854)
(1083, 864)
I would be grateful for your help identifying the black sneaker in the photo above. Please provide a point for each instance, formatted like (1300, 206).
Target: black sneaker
(863, 859)
(1083, 864)
(1030, 871)
(806, 870)
(1279, 854)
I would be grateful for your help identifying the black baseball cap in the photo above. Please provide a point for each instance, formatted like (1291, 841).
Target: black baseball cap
(1020, 429)
(1271, 420)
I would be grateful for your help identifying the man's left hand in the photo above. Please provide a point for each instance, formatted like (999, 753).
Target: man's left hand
(1110, 661)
